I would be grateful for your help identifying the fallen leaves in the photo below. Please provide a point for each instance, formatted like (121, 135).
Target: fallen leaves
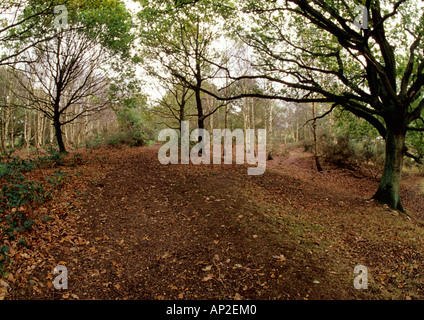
(208, 277)
(3, 293)
(68, 295)
(156, 243)
(280, 258)
(207, 268)
(4, 284)
(166, 255)
(52, 238)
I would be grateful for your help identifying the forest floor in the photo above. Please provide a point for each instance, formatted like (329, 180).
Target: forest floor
(127, 227)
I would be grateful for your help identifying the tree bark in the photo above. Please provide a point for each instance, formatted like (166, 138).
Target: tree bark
(269, 129)
(59, 135)
(25, 127)
(389, 189)
(6, 128)
(2, 138)
(12, 129)
(314, 131)
(200, 117)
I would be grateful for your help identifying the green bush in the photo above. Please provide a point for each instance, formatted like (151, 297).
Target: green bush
(307, 146)
(119, 139)
(345, 151)
(54, 156)
(94, 142)
(58, 179)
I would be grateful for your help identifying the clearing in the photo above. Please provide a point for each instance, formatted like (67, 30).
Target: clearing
(127, 227)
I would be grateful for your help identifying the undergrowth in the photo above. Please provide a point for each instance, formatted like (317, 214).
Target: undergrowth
(18, 193)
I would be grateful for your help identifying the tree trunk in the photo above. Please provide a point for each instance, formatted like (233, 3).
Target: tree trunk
(12, 129)
(26, 127)
(6, 128)
(252, 112)
(29, 131)
(388, 191)
(200, 118)
(270, 130)
(51, 132)
(59, 135)
(43, 130)
(2, 138)
(297, 130)
(314, 131)
(182, 114)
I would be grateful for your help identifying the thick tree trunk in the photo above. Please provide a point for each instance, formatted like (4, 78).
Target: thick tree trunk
(389, 189)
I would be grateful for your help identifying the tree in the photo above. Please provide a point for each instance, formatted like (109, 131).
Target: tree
(181, 41)
(315, 52)
(67, 73)
(174, 105)
(66, 76)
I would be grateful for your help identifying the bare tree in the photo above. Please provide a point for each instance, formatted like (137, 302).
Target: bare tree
(173, 105)
(67, 80)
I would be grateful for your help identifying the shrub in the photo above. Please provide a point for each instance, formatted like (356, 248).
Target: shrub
(344, 151)
(119, 139)
(16, 193)
(94, 142)
(308, 146)
(338, 152)
(58, 179)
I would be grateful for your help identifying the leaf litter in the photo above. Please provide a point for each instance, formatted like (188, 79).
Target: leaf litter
(159, 232)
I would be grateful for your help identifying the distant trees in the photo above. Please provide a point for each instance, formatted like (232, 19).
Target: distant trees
(174, 106)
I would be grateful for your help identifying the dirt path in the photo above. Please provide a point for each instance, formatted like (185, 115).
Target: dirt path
(148, 231)
(192, 232)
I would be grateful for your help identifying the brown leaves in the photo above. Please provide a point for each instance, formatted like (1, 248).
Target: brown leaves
(208, 277)
(54, 235)
(207, 268)
(4, 288)
(279, 258)
(144, 232)
(68, 295)
(237, 296)
(166, 255)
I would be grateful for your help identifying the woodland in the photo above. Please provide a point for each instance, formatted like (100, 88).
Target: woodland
(91, 91)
